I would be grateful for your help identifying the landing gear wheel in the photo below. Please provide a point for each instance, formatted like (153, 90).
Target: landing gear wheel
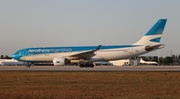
(91, 66)
(81, 65)
(87, 65)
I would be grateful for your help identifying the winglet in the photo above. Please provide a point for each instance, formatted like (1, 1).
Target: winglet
(87, 54)
(98, 48)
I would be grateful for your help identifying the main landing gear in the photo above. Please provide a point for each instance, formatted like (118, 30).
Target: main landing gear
(29, 64)
(86, 65)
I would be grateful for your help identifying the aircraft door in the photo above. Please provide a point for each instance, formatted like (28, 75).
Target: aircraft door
(130, 50)
(46, 53)
(23, 53)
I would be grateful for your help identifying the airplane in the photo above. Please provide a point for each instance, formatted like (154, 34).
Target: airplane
(148, 62)
(5, 62)
(102, 64)
(86, 55)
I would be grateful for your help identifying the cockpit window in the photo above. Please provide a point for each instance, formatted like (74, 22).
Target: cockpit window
(17, 53)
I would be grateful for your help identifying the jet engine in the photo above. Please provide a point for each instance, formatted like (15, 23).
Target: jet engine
(60, 61)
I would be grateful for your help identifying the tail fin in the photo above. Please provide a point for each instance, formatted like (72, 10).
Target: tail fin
(153, 36)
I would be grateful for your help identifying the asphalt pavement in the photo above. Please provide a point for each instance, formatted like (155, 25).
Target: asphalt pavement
(96, 68)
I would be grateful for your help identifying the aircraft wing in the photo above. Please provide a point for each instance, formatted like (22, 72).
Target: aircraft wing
(86, 54)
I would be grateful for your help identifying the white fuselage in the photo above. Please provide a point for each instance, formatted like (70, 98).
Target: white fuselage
(100, 55)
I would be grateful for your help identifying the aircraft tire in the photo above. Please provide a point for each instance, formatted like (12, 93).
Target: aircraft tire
(81, 65)
(87, 65)
(91, 65)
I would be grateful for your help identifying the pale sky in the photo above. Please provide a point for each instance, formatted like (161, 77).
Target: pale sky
(33, 23)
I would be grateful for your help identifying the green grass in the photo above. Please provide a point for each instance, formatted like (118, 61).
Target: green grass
(89, 85)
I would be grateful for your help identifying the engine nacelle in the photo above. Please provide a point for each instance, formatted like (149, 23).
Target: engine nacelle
(60, 61)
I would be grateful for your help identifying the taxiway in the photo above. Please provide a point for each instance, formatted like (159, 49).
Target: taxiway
(97, 68)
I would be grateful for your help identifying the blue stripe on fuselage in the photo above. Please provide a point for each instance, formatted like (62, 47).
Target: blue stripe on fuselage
(43, 50)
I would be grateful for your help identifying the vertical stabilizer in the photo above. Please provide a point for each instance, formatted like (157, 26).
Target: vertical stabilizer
(153, 36)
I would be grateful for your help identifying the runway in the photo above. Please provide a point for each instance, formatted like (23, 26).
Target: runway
(96, 68)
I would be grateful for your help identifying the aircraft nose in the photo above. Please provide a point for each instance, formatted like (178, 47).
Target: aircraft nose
(14, 56)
